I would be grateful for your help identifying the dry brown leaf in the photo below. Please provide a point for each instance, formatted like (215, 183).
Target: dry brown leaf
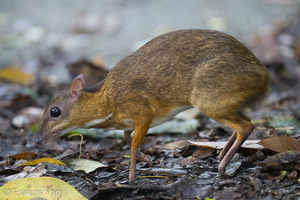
(203, 152)
(14, 74)
(26, 155)
(284, 157)
(288, 160)
(281, 143)
(176, 145)
(98, 61)
(253, 144)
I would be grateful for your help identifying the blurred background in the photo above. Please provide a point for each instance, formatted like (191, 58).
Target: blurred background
(113, 29)
(45, 44)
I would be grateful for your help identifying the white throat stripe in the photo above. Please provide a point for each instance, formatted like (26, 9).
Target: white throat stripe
(97, 121)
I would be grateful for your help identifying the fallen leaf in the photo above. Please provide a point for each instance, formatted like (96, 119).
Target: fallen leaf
(151, 177)
(25, 155)
(28, 172)
(17, 176)
(176, 145)
(38, 188)
(220, 145)
(284, 157)
(281, 143)
(165, 171)
(14, 74)
(291, 166)
(84, 164)
(42, 160)
(18, 163)
(93, 71)
(203, 152)
(289, 160)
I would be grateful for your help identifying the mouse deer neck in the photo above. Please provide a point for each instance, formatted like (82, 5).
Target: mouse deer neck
(93, 104)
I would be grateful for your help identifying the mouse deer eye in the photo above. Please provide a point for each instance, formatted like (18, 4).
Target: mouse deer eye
(55, 112)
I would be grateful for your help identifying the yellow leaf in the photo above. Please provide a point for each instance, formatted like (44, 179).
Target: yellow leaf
(42, 160)
(14, 74)
(25, 155)
(43, 187)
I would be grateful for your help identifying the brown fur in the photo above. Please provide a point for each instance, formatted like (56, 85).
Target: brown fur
(209, 70)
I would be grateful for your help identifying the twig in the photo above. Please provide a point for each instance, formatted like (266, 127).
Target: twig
(80, 144)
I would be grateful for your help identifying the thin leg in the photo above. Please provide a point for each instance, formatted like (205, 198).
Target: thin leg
(243, 130)
(140, 156)
(232, 138)
(228, 145)
(127, 137)
(139, 133)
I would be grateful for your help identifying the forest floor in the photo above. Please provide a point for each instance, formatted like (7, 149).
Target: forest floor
(180, 168)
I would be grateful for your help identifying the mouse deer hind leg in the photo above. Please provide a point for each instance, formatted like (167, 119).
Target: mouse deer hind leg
(232, 138)
(232, 117)
(242, 129)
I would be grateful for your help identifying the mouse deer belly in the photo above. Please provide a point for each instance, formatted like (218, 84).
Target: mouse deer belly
(165, 114)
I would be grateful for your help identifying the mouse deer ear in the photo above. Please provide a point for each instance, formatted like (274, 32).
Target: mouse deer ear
(77, 86)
